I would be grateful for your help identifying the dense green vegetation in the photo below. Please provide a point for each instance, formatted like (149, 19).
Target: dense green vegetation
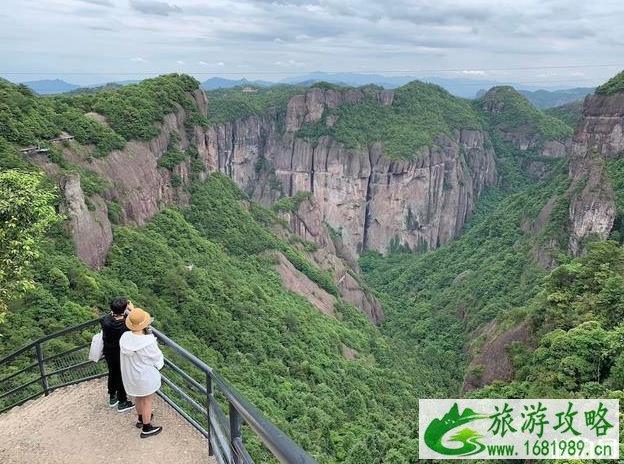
(612, 86)
(291, 204)
(506, 110)
(30, 120)
(173, 156)
(419, 113)
(131, 111)
(615, 170)
(231, 104)
(574, 312)
(577, 320)
(26, 214)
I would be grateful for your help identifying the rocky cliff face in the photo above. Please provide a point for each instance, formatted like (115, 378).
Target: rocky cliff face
(141, 189)
(90, 227)
(138, 185)
(306, 223)
(599, 136)
(365, 199)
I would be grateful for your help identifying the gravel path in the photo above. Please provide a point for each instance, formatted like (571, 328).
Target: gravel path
(74, 425)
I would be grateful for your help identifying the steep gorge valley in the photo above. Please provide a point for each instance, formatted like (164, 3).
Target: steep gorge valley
(335, 252)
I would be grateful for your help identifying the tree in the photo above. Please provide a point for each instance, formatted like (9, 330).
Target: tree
(26, 214)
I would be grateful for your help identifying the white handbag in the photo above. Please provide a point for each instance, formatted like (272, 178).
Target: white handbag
(97, 348)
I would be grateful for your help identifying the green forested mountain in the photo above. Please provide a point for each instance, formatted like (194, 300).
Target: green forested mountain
(205, 266)
(509, 111)
(418, 113)
(612, 86)
(570, 113)
(546, 99)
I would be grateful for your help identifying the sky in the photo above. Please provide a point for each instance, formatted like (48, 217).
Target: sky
(564, 43)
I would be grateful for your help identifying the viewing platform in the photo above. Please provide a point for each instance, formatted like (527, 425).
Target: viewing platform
(74, 425)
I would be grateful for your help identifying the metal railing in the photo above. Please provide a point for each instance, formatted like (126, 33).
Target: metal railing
(189, 386)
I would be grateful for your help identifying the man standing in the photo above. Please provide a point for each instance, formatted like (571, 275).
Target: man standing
(113, 327)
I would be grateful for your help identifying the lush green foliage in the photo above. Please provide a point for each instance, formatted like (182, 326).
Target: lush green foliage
(30, 120)
(615, 170)
(291, 204)
(612, 86)
(236, 227)
(26, 214)
(173, 156)
(133, 110)
(419, 113)
(577, 320)
(231, 104)
(507, 110)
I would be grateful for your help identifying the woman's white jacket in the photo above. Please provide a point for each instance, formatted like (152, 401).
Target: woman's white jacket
(141, 359)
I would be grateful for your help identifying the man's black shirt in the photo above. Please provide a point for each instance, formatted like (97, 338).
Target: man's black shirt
(112, 330)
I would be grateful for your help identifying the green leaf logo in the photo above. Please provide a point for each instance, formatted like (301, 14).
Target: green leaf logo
(451, 420)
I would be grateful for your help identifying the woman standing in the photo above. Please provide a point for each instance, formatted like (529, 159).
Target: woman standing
(141, 359)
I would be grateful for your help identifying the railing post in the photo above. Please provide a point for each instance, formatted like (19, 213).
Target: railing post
(235, 432)
(208, 401)
(44, 379)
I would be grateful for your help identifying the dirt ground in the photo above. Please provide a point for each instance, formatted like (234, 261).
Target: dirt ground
(74, 425)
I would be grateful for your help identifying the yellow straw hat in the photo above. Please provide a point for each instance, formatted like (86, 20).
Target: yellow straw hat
(138, 319)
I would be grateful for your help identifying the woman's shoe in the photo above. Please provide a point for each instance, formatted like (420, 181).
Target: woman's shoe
(149, 430)
(139, 423)
(112, 401)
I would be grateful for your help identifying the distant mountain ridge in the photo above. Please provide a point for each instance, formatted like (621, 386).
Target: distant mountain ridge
(551, 98)
(56, 86)
(50, 86)
(461, 87)
(458, 86)
(215, 83)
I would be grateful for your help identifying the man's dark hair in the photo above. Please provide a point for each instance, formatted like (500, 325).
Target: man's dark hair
(119, 305)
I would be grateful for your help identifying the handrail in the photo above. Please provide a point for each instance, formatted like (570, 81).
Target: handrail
(48, 337)
(228, 449)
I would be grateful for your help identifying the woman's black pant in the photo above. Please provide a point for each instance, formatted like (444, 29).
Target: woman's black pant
(115, 384)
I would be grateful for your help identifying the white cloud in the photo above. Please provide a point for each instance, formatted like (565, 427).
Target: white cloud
(180, 62)
(473, 72)
(138, 59)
